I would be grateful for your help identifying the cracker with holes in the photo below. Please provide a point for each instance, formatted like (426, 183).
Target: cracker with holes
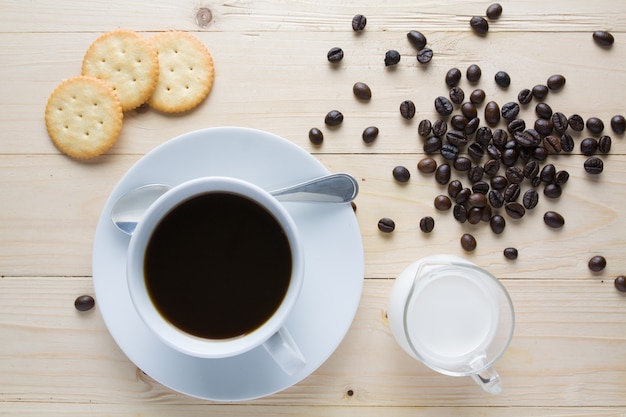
(185, 75)
(126, 61)
(83, 117)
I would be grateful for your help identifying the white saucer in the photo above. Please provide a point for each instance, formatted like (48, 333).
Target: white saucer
(333, 262)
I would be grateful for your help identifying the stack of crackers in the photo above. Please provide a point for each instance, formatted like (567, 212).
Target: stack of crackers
(171, 72)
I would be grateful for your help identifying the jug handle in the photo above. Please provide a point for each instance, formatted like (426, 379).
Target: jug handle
(488, 378)
(285, 352)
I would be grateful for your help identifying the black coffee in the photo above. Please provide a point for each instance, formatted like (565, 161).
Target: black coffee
(218, 265)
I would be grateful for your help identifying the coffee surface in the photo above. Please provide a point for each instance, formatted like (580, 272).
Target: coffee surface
(218, 266)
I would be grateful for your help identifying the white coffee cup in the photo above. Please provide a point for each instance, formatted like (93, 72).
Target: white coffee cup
(453, 316)
(272, 333)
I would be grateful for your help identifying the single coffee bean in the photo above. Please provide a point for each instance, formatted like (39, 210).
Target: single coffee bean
(425, 56)
(543, 110)
(440, 127)
(362, 91)
(588, 146)
(407, 109)
(597, 263)
(618, 124)
(442, 174)
(442, 202)
(457, 138)
(527, 138)
(595, 125)
(494, 11)
(567, 143)
(556, 82)
(559, 121)
(473, 73)
(463, 195)
(552, 191)
(469, 110)
(515, 210)
(486, 213)
(510, 110)
(433, 144)
(499, 182)
(509, 157)
(547, 173)
(604, 144)
(462, 163)
(457, 95)
(511, 192)
(552, 144)
(475, 173)
(453, 76)
(594, 165)
(401, 174)
(502, 79)
(468, 242)
(561, 177)
(510, 253)
(335, 55)
(497, 224)
(540, 91)
(480, 187)
(386, 225)
(316, 136)
(443, 106)
(525, 96)
(514, 174)
(417, 39)
(553, 219)
(392, 57)
(477, 96)
(427, 224)
(476, 151)
(516, 125)
(358, 22)
(454, 187)
(333, 118)
(472, 126)
(479, 25)
(460, 213)
(620, 283)
(84, 303)
(576, 122)
(530, 199)
(424, 128)
(491, 167)
(496, 199)
(459, 122)
(500, 137)
(427, 165)
(477, 200)
(603, 38)
(449, 152)
(474, 215)
(370, 134)
(531, 169)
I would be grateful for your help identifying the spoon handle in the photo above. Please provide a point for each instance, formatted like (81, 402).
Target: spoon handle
(334, 188)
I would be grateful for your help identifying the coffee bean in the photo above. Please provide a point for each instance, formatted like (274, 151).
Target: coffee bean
(479, 25)
(509, 157)
(527, 138)
(449, 152)
(594, 165)
(604, 144)
(496, 199)
(618, 124)
(491, 167)
(510, 253)
(547, 173)
(510, 110)
(475, 173)
(567, 143)
(462, 163)
(335, 55)
(469, 110)
(401, 174)
(443, 106)
(453, 76)
(497, 224)
(84, 303)
(516, 125)
(370, 134)
(530, 199)
(620, 283)
(427, 165)
(595, 125)
(442, 202)
(425, 56)
(463, 195)
(511, 192)
(454, 187)
(442, 174)
(476, 151)
(603, 38)
(536, 181)
(561, 177)
(525, 96)
(407, 109)
(386, 225)
(514, 175)
(440, 127)
(515, 210)
(474, 215)
(531, 169)
(459, 213)
(556, 82)
(358, 22)
(553, 219)
(494, 11)
(480, 187)
(468, 242)
(543, 110)
(552, 144)
(457, 95)
(427, 224)
(417, 39)
(473, 73)
(502, 79)
(597, 263)
(316, 136)
(457, 138)
(559, 121)
(459, 122)
(362, 91)
(433, 144)
(576, 122)
(552, 191)
(588, 146)
(392, 57)
(477, 96)
(333, 118)
(424, 128)
(477, 200)
(540, 91)
(500, 137)
(472, 126)
(499, 182)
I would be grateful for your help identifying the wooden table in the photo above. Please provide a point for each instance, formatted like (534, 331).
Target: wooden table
(568, 354)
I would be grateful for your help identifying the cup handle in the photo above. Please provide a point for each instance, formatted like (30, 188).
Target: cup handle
(488, 379)
(283, 349)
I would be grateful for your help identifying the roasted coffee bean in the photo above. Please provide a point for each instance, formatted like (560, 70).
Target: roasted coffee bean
(401, 174)
(511, 192)
(386, 225)
(597, 263)
(493, 151)
(407, 109)
(510, 253)
(525, 96)
(440, 127)
(553, 219)
(502, 79)
(460, 213)
(427, 224)
(552, 144)
(333, 118)
(449, 151)
(567, 143)
(594, 165)
(462, 163)
(509, 157)
(486, 213)
(480, 187)
(618, 124)
(543, 110)
(369, 134)
(491, 167)
(620, 283)
(457, 138)
(514, 175)
(500, 137)
(473, 73)
(547, 173)
(477, 200)
(468, 242)
(459, 122)
(475, 151)
(588, 146)
(540, 153)
(453, 76)
(472, 126)
(477, 96)
(84, 303)
(515, 210)
(454, 187)
(469, 110)
(510, 110)
(552, 191)
(559, 122)
(425, 56)
(527, 138)
(530, 199)
(362, 91)
(536, 181)
(516, 125)
(442, 202)
(474, 215)
(494, 11)
(463, 195)
(433, 144)
(603, 38)
(316, 136)
(392, 57)
(604, 144)
(443, 106)
(499, 182)
(561, 177)
(335, 55)
(457, 95)
(556, 82)
(531, 169)
(424, 128)
(475, 173)
(417, 39)
(540, 91)
(496, 199)
(358, 22)
(576, 122)
(427, 165)
(442, 174)
(595, 125)
(479, 25)
(497, 224)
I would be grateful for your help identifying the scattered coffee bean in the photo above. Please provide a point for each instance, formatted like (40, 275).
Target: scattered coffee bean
(502, 79)
(424, 56)
(472, 125)
(595, 125)
(477, 200)
(476, 151)
(457, 138)
(475, 173)
(473, 73)
(552, 144)
(474, 215)
(433, 144)
(552, 191)
(499, 182)
(511, 192)
(362, 91)
(618, 124)
(561, 177)
(459, 121)
(457, 95)
(509, 157)
(559, 122)
(576, 122)
(494, 11)
(604, 144)
(335, 55)
(515, 210)
(462, 163)
(567, 143)
(543, 110)
(463, 195)
(407, 109)
(479, 24)
(370, 134)
(443, 106)
(547, 173)
(510, 253)
(442, 202)
(427, 224)
(454, 187)
(468, 242)
(417, 39)
(386, 225)
(84, 303)
(424, 128)
(594, 165)
(497, 224)
(514, 175)
(528, 138)
(440, 127)
(516, 125)
(333, 118)
(531, 169)
(401, 174)
(453, 76)
(358, 22)
(459, 213)
(525, 96)
(491, 167)
(620, 283)
(553, 219)
(316, 136)
(392, 57)
(603, 38)
(530, 199)
(427, 165)
(556, 82)
(510, 110)
(477, 96)
(588, 146)
(481, 187)
(597, 263)
(442, 174)
(492, 113)
(449, 152)
(496, 199)
(544, 126)
(540, 91)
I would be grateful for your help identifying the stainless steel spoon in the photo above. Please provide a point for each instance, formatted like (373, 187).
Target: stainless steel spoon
(333, 188)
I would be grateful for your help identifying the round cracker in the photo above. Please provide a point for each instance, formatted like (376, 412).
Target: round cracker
(186, 72)
(126, 61)
(83, 117)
